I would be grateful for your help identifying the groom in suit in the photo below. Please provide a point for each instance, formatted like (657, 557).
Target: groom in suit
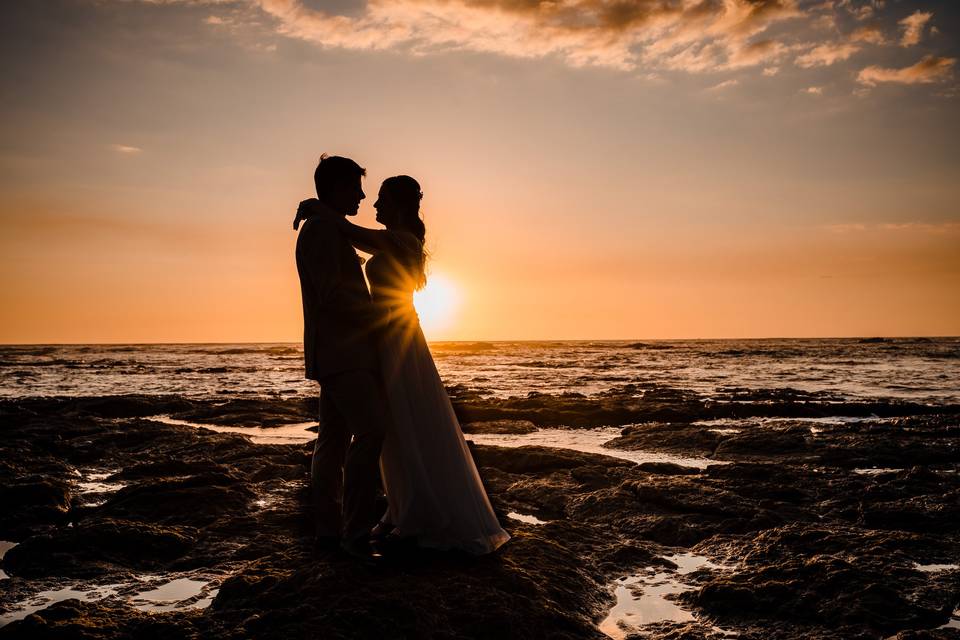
(339, 350)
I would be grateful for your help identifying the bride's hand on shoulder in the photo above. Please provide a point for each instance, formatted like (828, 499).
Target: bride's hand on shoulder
(313, 207)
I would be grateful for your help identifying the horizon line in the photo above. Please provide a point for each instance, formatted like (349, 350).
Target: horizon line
(479, 340)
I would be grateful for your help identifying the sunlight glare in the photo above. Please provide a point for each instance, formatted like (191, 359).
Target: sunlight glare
(436, 304)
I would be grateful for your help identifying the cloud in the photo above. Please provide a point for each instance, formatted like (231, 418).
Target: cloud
(644, 37)
(188, 3)
(923, 227)
(845, 227)
(126, 149)
(871, 34)
(862, 11)
(826, 54)
(698, 36)
(934, 228)
(816, 91)
(913, 27)
(929, 70)
(726, 84)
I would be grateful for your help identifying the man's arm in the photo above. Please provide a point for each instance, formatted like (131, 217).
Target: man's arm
(317, 249)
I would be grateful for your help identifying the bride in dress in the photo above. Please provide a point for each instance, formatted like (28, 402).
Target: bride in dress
(433, 489)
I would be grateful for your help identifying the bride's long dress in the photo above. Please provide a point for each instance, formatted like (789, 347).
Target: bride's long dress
(433, 489)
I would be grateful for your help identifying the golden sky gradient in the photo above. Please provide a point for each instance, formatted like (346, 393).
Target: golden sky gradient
(748, 168)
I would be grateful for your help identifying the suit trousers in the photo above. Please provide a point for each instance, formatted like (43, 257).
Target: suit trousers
(345, 470)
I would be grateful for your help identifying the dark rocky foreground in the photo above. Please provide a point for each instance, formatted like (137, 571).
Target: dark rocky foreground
(814, 549)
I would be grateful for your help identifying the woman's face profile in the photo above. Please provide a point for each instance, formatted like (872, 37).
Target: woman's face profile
(386, 206)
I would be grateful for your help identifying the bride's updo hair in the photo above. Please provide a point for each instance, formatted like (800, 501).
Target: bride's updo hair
(406, 193)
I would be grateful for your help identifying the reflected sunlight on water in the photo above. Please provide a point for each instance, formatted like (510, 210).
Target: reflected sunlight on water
(913, 369)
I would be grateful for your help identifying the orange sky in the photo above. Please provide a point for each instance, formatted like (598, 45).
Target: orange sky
(577, 184)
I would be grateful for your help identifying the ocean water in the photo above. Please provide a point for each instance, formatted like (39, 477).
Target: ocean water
(923, 370)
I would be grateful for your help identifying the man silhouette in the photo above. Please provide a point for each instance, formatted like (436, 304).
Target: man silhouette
(339, 349)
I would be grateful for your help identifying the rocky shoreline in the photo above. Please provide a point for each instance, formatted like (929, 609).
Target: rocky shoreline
(835, 529)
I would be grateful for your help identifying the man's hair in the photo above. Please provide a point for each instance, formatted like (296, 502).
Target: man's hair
(333, 171)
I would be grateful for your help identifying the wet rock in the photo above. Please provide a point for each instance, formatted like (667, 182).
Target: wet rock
(815, 550)
(122, 406)
(535, 459)
(668, 437)
(98, 547)
(642, 403)
(252, 412)
(29, 504)
(764, 442)
(169, 468)
(192, 500)
(616, 407)
(430, 595)
(500, 426)
(810, 574)
(51, 495)
(93, 621)
(667, 469)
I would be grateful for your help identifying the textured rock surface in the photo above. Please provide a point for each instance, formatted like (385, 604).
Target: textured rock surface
(812, 548)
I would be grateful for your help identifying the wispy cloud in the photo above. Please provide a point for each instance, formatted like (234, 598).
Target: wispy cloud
(845, 227)
(826, 54)
(927, 228)
(929, 70)
(693, 36)
(870, 33)
(126, 149)
(913, 26)
(646, 37)
(863, 10)
(815, 91)
(726, 84)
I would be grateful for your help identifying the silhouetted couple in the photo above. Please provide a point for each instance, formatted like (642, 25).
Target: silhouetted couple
(381, 399)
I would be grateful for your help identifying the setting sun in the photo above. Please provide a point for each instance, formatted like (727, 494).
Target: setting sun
(437, 305)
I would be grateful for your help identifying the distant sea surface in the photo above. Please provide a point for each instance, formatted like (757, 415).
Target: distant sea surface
(925, 370)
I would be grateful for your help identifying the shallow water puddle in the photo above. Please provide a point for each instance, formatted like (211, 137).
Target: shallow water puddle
(641, 598)
(587, 441)
(954, 622)
(523, 517)
(92, 484)
(283, 434)
(5, 545)
(44, 599)
(181, 593)
(935, 568)
(876, 471)
(817, 425)
(689, 562)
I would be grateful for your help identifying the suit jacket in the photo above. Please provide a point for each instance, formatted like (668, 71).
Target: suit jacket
(339, 321)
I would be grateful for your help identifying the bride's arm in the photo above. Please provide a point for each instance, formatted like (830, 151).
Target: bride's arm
(367, 240)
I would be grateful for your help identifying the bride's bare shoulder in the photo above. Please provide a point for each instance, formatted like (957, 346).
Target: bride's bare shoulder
(406, 240)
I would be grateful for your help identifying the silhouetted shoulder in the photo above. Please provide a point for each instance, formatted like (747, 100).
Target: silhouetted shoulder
(405, 241)
(319, 230)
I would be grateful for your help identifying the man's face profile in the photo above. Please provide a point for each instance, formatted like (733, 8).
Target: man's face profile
(346, 199)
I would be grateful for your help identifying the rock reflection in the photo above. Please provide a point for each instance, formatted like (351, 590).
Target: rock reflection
(642, 598)
(180, 593)
(587, 441)
(5, 545)
(523, 517)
